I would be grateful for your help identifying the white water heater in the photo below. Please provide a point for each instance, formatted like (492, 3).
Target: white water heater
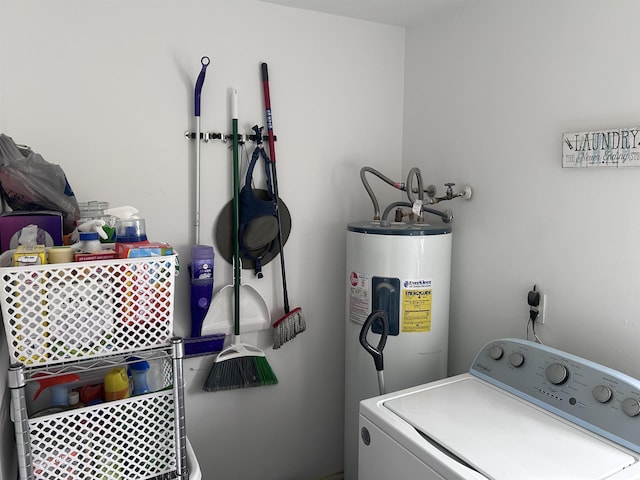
(403, 269)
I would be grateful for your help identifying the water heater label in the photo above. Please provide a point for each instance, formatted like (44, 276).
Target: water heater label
(416, 306)
(359, 297)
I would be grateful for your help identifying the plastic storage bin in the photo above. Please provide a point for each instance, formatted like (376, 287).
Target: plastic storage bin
(140, 437)
(74, 311)
(126, 439)
(80, 320)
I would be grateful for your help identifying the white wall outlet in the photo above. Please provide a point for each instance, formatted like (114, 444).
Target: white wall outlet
(542, 309)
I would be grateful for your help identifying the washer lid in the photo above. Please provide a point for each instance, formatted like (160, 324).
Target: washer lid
(504, 437)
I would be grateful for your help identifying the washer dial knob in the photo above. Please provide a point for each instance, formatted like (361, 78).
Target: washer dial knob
(516, 359)
(631, 406)
(602, 393)
(557, 373)
(496, 352)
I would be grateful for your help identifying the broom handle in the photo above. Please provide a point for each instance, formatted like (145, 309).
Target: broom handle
(236, 215)
(272, 154)
(204, 61)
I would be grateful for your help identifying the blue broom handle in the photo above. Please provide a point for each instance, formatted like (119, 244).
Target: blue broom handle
(199, 82)
(196, 98)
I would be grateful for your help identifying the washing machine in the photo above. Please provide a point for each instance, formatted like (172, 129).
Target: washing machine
(523, 411)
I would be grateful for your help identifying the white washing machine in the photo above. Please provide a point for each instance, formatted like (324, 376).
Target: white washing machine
(524, 411)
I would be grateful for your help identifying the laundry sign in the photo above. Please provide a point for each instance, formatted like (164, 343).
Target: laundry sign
(602, 148)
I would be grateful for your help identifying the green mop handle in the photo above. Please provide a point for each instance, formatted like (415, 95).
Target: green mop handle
(236, 213)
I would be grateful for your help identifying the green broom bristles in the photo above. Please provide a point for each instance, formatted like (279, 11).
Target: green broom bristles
(240, 372)
(265, 373)
(290, 325)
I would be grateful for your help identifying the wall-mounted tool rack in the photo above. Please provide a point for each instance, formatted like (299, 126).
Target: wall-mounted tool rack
(210, 136)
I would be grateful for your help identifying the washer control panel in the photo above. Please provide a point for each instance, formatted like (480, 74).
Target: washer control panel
(603, 400)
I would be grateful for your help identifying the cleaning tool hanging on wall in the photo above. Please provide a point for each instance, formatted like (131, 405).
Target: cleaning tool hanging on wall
(254, 308)
(292, 322)
(254, 214)
(255, 311)
(201, 266)
(239, 365)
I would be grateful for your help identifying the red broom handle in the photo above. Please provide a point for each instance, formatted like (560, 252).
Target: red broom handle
(272, 154)
(267, 105)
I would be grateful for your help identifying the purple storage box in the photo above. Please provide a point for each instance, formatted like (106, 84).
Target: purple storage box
(49, 227)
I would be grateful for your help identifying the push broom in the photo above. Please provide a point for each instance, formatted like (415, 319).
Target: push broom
(239, 365)
(292, 322)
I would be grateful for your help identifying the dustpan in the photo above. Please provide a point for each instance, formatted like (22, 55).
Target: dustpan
(254, 308)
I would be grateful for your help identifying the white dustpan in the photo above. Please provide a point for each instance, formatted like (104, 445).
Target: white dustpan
(255, 312)
(239, 350)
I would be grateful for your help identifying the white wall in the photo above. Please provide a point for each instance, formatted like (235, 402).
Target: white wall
(490, 88)
(105, 89)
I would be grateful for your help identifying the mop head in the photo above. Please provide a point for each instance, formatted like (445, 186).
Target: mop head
(288, 327)
(239, 366)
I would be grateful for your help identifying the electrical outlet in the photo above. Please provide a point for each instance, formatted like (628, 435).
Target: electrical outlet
(542, 309)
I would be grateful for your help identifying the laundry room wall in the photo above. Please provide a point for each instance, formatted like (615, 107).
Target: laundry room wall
(105, 89)
(490, 88)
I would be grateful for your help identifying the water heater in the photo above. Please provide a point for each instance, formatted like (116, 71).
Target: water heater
(403, 269)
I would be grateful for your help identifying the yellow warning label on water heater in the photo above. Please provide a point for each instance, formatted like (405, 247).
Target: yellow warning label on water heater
(416, 310)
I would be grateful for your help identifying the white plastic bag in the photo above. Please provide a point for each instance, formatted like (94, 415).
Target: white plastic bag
(31, 183)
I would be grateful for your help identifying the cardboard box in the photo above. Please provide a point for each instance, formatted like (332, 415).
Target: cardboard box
(49, 228)
(143, 249)
(92, 257)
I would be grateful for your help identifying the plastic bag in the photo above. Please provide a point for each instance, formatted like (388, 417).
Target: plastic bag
(29, 183)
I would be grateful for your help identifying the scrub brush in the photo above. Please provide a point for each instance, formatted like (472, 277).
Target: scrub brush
(288, 326)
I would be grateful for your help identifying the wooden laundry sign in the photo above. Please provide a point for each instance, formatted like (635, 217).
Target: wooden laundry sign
(602, 148)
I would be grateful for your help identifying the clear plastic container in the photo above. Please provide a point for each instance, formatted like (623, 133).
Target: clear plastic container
(93, 210)
(130, 230)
